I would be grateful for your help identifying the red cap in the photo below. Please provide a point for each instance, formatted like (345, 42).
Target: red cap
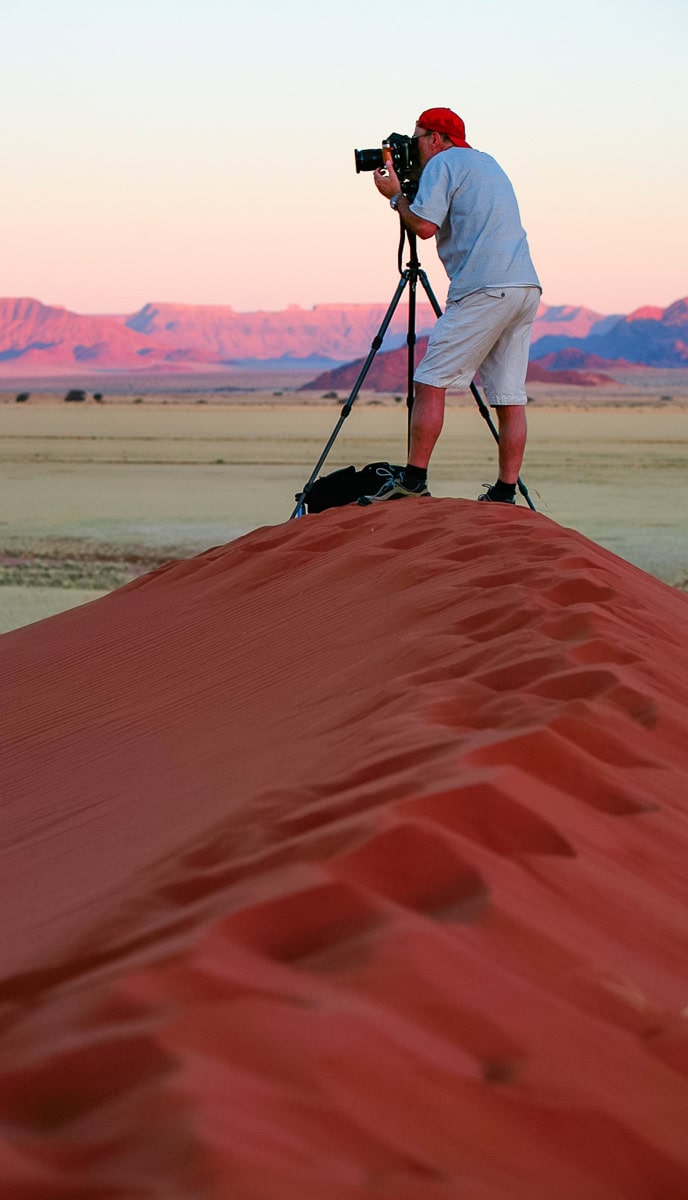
(443, 120)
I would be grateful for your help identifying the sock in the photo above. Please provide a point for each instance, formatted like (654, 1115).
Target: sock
(503, 491)
(415, 474)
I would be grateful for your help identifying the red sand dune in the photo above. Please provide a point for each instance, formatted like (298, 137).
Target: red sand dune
(349, 860)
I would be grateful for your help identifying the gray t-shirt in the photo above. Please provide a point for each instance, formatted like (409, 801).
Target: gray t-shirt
(480, 239)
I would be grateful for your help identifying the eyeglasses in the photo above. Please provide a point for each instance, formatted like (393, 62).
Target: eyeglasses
(427, 134)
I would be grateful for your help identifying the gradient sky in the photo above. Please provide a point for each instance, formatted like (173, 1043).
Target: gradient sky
(202, 152)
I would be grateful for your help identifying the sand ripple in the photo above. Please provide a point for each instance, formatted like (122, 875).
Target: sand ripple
(348, 860)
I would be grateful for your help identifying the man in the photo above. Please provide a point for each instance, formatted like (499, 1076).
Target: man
(467, 203)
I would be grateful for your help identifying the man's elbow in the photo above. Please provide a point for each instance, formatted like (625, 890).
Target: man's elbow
(425, 230)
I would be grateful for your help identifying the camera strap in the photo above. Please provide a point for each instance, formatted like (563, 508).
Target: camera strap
(402, 243)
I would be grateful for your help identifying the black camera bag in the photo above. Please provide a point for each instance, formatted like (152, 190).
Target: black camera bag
(347, 485)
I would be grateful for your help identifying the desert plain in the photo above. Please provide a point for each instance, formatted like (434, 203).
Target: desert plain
(93, 494)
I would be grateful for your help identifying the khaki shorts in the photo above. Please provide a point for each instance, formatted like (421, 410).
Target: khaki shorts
(489, 330)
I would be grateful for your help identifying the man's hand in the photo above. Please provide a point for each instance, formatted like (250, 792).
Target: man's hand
(387, 184)
(387, 181)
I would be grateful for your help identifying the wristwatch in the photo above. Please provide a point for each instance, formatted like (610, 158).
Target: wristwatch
(395, 200)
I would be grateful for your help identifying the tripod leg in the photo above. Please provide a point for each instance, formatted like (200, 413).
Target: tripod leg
(482, 407)
(436, 307)
(411, 339)
(302, 496)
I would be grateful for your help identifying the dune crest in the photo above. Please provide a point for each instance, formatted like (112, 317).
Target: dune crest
(348, 860)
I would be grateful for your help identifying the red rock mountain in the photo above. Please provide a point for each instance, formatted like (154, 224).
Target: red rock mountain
(570, 320)
(40, 339)
(35, 336)
(218, 333)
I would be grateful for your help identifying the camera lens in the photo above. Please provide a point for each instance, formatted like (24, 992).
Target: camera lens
(368, 160)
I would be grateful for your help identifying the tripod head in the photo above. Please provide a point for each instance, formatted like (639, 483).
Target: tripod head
(413, 265)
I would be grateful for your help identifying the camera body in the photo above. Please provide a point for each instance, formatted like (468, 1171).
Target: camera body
(403, 152)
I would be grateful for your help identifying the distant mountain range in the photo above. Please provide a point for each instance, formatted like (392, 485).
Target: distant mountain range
(37, 339)
(651, 337)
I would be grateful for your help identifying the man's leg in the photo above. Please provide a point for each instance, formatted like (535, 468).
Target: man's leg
(503, 374)
(457, 345)
(427, 419)
(513, 429)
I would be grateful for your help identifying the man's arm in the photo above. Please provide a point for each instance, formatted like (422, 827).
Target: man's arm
(387, 184)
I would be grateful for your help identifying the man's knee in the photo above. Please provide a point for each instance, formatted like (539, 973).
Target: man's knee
(511, 416)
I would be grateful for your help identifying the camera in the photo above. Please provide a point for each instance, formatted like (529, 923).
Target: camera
(403, 151)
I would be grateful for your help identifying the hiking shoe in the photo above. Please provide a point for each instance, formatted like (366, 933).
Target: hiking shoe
(489, 495)
(395, 487)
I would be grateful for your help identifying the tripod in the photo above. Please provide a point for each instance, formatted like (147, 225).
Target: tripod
(410, 276)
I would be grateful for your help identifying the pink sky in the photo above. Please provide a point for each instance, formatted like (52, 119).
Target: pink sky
(200, 162)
